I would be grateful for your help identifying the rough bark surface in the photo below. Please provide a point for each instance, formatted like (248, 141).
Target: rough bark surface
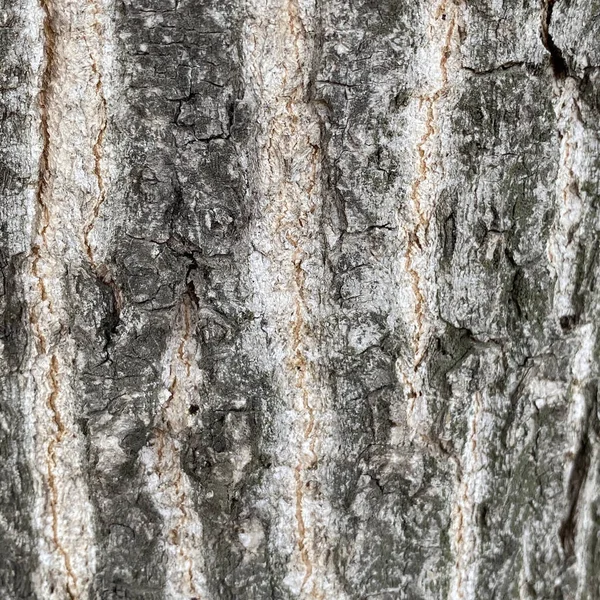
(299, 299)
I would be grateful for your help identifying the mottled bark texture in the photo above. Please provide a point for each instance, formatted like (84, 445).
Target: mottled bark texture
(299, 299)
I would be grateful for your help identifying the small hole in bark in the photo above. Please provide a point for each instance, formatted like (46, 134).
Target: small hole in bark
(193, 409)
(567, 322)
(265, 461)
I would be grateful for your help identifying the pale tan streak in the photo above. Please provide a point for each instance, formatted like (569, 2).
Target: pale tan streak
(417, 234)
(289, 178)
(167, 483)
(65, 539)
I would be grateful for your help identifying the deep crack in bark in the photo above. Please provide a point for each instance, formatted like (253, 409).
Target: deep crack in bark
(557, 59)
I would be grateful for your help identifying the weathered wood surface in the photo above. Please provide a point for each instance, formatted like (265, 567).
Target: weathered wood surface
(299, 299)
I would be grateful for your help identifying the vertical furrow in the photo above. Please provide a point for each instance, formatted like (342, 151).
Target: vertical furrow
(280, 47)
(71, 128)
(168, 485)
(415, 227)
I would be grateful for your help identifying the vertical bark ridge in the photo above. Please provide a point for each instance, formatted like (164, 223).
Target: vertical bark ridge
(21, 49)
(95, 41)
(44, 319)
(97, 149)
(465, 529)
(281, 45)
(169, 486)
(36, 318)
(444, 24)
(571, 257)
(72, 111)
(572, 210)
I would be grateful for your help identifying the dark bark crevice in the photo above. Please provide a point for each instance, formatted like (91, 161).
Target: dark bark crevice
(557, 59)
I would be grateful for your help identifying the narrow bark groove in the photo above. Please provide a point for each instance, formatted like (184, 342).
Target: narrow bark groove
(168, 484)
(40, 320)
(559, 64)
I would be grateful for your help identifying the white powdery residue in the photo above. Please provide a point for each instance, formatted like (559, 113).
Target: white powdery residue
(167, 484)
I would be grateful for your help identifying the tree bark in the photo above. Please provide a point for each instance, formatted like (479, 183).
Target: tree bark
(299, 299)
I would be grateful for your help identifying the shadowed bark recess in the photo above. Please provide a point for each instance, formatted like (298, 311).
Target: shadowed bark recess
(299, 299)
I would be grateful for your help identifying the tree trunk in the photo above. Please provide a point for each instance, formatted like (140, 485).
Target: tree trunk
(299, 299)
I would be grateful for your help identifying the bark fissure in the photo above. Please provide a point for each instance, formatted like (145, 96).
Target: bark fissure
(52, 376)
(416, 235)
(557, 59)
(167, 483)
